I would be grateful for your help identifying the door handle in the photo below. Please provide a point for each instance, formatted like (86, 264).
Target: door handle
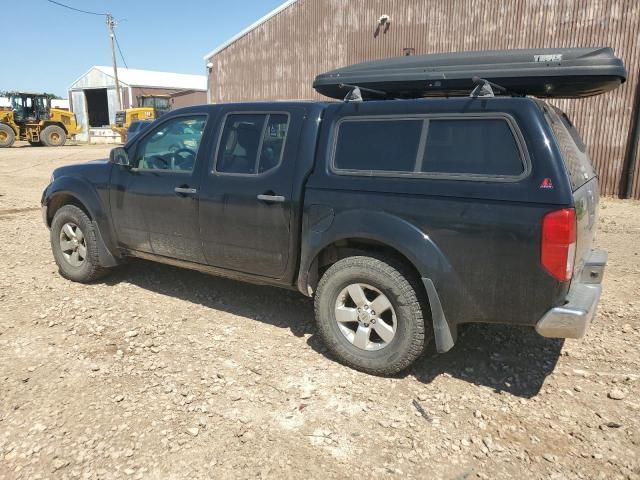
(185, 191)
(271, 198)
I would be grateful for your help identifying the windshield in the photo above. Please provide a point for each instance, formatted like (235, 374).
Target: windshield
(159, 103)
(29, 107)
(162, 103)
(21, 102)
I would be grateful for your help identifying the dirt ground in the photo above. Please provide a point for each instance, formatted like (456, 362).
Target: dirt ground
(158, 372)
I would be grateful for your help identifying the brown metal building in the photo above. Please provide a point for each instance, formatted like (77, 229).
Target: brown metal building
(279, 56)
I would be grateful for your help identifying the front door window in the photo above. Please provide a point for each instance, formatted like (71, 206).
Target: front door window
(172, 146)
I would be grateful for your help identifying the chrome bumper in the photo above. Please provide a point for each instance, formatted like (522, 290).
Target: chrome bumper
(572, 319)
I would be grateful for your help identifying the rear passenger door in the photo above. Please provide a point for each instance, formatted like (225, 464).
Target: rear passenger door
(245, 201)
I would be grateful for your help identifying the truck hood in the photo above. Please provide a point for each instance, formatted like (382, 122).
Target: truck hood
(94, 171)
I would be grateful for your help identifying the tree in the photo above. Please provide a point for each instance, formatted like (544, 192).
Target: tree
(7, 93)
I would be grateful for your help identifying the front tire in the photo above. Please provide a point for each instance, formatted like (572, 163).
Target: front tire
(53, 136)
(74, 245)
(7, 136)
(382, 342)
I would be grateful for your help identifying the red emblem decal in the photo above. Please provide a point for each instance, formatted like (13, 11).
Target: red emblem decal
(546, 183)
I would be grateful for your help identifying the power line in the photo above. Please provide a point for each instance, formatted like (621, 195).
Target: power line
(77, 9)
(125, 63)
(120, 50)
(110, 24)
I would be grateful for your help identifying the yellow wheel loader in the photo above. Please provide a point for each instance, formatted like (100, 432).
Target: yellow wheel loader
(31, 118)
(149, 107)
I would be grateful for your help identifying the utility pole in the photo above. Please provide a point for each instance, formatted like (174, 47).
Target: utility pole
(110, 24)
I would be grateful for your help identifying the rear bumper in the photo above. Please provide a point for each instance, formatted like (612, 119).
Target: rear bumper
(572, 319)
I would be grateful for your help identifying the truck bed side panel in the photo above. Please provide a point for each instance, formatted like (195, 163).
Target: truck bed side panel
(487, 234)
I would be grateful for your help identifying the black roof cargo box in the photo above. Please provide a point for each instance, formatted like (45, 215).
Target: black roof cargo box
(546, 72)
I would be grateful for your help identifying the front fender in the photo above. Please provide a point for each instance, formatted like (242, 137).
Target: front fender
(84, 193)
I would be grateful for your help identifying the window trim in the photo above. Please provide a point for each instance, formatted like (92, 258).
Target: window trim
(145, 133)
(425, 118)
(213, 170)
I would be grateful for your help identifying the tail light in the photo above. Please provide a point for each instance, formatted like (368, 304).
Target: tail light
(559, 243)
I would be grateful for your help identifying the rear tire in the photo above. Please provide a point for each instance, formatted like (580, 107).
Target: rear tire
(53, 136)
(7, 136)
(394, 336)
(74, 245)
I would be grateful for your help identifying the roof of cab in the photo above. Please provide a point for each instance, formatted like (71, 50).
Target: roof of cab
(450, 104)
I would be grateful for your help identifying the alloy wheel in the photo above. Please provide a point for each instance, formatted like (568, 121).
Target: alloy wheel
(73, 244)
(365, 317)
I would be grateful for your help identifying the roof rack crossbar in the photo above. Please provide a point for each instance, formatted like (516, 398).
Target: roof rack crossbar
(482, 89)
(485, 88)
(363, 89)
(354, 95)
(355, 92)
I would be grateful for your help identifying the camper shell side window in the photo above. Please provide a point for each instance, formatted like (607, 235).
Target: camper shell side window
(459, 146)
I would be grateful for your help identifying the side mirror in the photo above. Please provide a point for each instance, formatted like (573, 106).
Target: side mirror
(119, 156)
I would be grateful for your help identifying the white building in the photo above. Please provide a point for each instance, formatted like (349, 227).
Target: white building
(93, 96)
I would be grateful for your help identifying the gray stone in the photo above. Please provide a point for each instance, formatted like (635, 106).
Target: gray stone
(617, 394)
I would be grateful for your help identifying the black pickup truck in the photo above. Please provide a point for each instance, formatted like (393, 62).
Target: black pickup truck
(403, 218)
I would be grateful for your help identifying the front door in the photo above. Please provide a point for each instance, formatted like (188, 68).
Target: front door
(245, 201)
(154, 203)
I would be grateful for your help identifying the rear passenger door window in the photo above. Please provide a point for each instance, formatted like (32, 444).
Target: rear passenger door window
(251, 144)
(461, 147)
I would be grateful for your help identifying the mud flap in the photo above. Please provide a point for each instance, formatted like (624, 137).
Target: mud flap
(104, 255)
(445, 335)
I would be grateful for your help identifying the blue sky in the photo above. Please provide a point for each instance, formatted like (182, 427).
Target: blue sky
(154, 34)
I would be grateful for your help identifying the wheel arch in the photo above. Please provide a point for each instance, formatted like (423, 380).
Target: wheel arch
(370, 231)
(351, 245)
(59, 199)
(73, 191)
(385, 234)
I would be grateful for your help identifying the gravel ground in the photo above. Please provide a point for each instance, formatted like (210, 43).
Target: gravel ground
(158, 372)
